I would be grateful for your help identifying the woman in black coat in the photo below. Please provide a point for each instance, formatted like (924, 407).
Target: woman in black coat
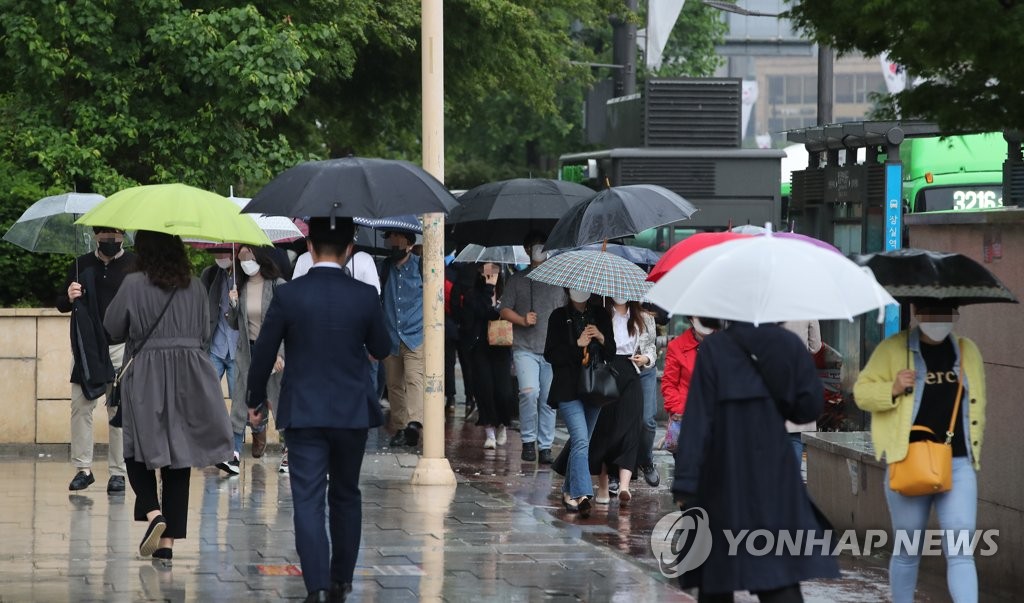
(491, 365)
(735, 461)
(572, 328)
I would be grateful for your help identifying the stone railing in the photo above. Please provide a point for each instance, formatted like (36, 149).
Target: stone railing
(35, 365)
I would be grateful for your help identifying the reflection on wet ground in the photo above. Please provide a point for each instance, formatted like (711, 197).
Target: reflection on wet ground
(501, 534)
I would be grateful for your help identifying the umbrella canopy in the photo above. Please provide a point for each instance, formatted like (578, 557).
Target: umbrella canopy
(749, 229)
(504, 212)
(277, 228)
(48, 225)
(352, 186)
(408, 223)
(919, 274)
(806, 239)
(769, 279)
(598, 272)
(617, 212)
(501, 254)
(641, 256)
(176, 209)
(687, 247)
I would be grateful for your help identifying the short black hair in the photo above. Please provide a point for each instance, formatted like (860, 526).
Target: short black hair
(328, 240)
(103, 229)
(534, 237)
(408, 235)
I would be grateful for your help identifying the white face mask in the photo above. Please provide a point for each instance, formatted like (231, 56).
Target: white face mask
(250, 267)
(537, 253)
(579, 296)
(620, 301)
(699, 327)
(224, 263)
(936, 331)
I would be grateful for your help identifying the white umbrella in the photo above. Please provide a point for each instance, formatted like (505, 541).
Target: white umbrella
(769, 279)
(500, 254)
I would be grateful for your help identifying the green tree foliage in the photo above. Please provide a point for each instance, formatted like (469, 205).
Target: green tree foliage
(690, 50)
(966, 52)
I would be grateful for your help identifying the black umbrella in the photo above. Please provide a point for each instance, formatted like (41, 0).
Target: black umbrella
(352, 186)
(504, 212)
(616, 212)
(918, 275)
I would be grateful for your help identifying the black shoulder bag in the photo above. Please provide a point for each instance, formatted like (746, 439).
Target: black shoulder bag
(115, 389)
(599, 384)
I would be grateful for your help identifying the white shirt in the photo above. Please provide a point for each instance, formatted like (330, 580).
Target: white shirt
(361, 265)
(625, 344)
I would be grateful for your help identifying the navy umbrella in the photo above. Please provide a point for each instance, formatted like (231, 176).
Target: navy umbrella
(504, 212)
(352, 186)
(919, 275)
(616, 212)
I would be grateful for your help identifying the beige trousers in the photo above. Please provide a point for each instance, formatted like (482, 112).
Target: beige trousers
(405, 386)
(81, 425)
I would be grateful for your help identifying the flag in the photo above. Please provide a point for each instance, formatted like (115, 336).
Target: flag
(661, 18)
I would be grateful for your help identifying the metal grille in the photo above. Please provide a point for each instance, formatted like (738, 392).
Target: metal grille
(685, 176)
(808, 188)
(693, 112)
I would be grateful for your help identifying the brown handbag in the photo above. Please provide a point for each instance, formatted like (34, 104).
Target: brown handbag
(499, 333)
(928, 466)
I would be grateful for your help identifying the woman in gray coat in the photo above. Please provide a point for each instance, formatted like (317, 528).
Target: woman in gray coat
(173, 410)
(258, 277)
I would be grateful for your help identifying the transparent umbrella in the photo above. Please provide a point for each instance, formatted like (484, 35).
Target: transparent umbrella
(501, 254)
(48, 225)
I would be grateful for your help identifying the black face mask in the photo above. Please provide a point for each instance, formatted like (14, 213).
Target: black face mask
(109, 248)
(398, 253)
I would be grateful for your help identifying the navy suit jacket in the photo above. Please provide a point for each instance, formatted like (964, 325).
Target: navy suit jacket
(327, 321)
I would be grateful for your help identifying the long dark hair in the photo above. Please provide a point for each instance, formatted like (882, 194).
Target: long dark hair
(268, 267)
(499, 287)
(636, 316)
(161, 257)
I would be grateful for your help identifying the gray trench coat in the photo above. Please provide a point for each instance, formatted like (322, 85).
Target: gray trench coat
(173, 413)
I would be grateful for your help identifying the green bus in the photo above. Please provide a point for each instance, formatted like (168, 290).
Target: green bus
(953, 173)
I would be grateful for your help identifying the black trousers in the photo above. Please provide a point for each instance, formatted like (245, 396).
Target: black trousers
(171, 500)
(788, 594)
(492, 372)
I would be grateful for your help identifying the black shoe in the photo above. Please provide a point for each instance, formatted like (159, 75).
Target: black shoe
(529, 452)
(115, 485)
(545, 457)
(232, 467)
(584, 507)
(651, 475)
(82, 480)
(398, 439)
(412, 433)
(151, 540)
(613, 486)
(340, 592)
(318, 596)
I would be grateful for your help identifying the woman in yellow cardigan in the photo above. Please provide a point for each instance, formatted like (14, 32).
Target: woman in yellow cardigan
(912, 378)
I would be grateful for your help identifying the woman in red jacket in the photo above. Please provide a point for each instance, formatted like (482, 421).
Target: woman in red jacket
(679, 358)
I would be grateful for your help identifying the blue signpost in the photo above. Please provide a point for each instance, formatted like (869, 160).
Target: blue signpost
(893, 231)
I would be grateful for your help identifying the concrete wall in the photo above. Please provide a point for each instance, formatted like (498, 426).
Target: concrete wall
(35, 365)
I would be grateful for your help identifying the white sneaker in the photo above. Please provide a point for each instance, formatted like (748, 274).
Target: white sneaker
(489, 444)
(283, 468)
(502, 438)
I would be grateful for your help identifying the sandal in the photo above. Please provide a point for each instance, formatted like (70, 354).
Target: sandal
(624, 497)
(584, 506)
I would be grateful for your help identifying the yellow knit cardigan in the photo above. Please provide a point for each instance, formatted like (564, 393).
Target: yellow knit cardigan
(891, 419)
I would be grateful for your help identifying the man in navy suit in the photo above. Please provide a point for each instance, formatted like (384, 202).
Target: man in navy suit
(328, 322)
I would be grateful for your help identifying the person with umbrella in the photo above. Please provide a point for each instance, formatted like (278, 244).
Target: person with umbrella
(528, 304)
(93, 281)
(574, 328)
(920, 377)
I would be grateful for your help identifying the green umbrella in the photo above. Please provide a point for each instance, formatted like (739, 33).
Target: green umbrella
(176, 209)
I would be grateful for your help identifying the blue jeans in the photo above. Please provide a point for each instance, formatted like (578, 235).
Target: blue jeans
(580, 420)
(225, 365)
(649, 385)
(536, 418)
(798, 449)
(956, 509)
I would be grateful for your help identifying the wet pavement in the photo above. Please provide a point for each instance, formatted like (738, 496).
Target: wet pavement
(499, 535)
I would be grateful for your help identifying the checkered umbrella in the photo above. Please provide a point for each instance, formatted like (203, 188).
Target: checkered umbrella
(599, 272)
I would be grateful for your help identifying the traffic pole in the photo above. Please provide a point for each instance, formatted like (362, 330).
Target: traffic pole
(433, 469)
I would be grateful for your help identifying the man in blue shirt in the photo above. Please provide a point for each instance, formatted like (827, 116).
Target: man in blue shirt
(223, 343)
(402, 294)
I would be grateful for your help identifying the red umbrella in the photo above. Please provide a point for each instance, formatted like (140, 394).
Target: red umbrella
(687, 247)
